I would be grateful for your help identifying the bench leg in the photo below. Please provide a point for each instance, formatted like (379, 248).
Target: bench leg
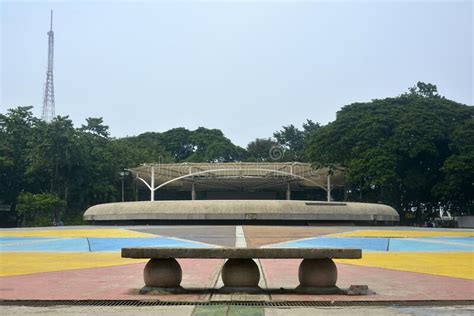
(240, 273)
(317, 273)
(163, 273)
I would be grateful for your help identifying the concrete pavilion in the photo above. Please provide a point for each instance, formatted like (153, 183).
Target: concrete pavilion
(239, 192)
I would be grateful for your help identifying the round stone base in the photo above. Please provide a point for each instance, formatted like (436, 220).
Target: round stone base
(162, 273)
(240, 273)
(317, 273)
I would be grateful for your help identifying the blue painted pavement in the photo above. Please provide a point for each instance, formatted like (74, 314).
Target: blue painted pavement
(367, 244)
(115, 244)
(43, 244)
(27, 244)
(384, 244)
(431, 244)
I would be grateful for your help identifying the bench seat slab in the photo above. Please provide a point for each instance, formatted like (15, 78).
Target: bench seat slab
(241, 253)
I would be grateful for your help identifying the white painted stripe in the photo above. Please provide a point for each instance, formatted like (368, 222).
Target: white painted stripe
(283, 243)
(240, 237)
(190, 241)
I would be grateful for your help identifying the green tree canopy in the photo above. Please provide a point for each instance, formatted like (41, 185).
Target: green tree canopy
(260, 149)
(42, 209)
(403, 151)
(293, 140)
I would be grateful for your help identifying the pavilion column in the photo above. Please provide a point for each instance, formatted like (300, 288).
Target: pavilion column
(193, 187)
(288, 191)
(152, 186)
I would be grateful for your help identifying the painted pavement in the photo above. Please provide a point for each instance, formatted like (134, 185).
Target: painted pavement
(83, 263)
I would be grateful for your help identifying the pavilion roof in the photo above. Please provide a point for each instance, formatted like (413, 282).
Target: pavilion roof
(247, 176)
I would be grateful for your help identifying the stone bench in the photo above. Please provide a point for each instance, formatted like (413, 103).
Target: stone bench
(316, 271)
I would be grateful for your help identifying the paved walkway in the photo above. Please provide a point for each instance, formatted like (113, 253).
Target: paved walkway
(238, 310)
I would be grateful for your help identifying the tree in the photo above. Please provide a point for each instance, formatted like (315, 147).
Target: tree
(55, 156)
(178, 142)
(16, 132)
(402, 151)
(426, 90)
(457, 185)
(39, 209)
(263, 149)
(291, 140)
(98, 167)
(81, 166)
(210, 145)
(309, 128)
(96, 127)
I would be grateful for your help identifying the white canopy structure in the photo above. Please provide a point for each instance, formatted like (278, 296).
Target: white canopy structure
(240, 176)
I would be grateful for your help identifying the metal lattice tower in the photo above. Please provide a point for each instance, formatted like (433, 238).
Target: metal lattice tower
(48, 101)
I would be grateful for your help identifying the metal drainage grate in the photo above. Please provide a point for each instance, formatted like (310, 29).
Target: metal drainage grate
(111, 303)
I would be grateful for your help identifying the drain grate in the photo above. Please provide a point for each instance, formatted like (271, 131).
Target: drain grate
(47, 303)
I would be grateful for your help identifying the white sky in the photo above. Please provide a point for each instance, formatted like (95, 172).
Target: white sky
(245, 67)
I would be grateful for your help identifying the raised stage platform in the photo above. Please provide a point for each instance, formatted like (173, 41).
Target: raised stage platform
(242, 211)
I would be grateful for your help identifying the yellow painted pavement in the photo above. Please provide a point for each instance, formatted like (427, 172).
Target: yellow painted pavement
(17, 263)
(403, 233)
(451, 264)
(76, 233)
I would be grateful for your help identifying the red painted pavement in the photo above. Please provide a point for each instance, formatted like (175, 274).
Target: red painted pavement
(389, 285)
(123, 282)
(107, 283)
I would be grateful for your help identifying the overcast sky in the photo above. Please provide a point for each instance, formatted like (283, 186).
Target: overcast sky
(245, 67)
